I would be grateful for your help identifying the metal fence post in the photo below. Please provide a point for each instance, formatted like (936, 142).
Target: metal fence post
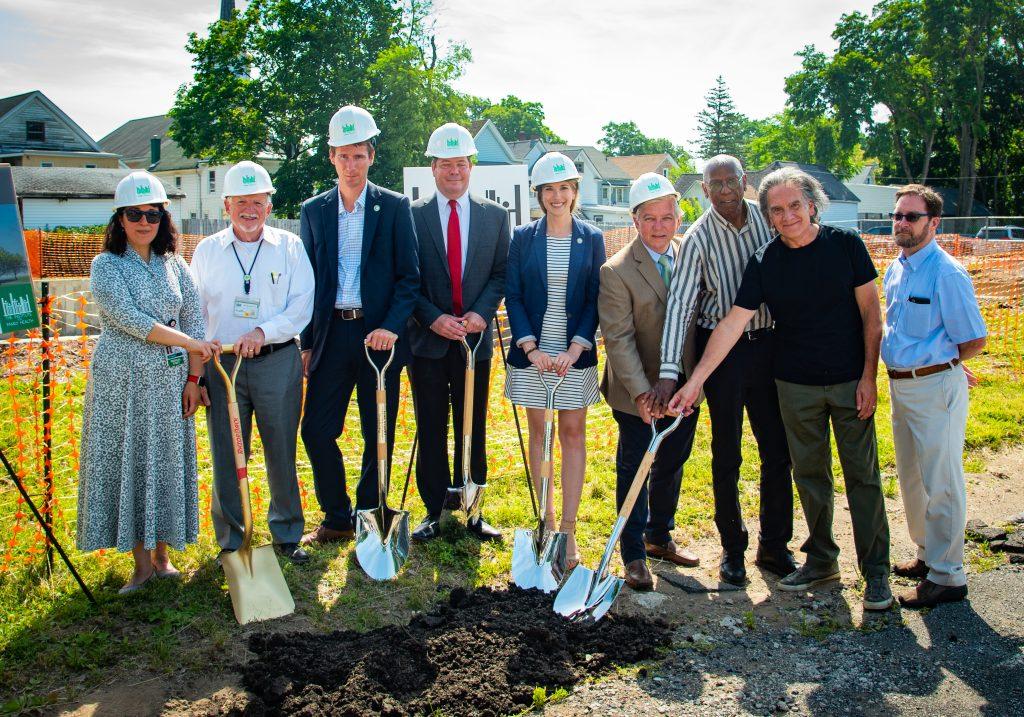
(47, 418)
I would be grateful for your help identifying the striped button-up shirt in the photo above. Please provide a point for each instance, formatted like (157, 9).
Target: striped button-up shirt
(708, 272)
(350, 252)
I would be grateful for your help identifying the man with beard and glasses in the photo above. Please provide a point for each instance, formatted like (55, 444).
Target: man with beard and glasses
(932, 325)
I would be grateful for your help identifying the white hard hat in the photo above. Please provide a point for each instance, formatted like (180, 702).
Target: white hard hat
(649, 186)
(553, 167)
(247, 178)
(351, 125)
(450, 140)
(139, 188)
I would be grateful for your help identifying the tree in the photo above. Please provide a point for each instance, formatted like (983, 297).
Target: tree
(625, 138)
(720, 128)
(816, 141)
(514, 117)
(268, 81)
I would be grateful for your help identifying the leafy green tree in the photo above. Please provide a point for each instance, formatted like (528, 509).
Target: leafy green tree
(625, 138)
(720, 128)
(268, 81)
(816, 141)
(513, 116)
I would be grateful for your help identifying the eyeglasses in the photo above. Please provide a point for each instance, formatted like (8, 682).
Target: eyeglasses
(910, 217)
(717, 185)
(153, 216)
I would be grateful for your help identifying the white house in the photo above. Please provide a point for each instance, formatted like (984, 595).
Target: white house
(144, 143)
(51, 197)
(34, 132)
(491, 147)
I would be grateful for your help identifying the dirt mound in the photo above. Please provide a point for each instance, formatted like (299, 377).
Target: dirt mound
(482, 653)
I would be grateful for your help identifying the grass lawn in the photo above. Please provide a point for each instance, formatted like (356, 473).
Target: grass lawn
(54, 644)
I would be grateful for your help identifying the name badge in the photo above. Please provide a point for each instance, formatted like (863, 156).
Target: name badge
(246, 307)
(175, 355)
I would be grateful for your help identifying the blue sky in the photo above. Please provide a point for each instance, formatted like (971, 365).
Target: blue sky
(651, 61)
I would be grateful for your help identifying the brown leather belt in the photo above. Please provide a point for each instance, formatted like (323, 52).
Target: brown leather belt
(926, 371)
(348, 314)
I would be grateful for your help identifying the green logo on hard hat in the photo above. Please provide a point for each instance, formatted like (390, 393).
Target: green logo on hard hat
(143, 189)
(249, 179)
(348, 128)
(454, 142)
(654, 186)
(558, 168)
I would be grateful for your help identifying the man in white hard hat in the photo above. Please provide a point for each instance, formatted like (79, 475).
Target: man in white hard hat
(463, 248)
(256, 287)
(714, 254)
(631, 307)
(360, 240)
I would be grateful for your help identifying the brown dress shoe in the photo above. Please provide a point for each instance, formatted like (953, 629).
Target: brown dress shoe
(929, 594)
(324, 535)
(638, 576)
(915, 568)
(672, 553)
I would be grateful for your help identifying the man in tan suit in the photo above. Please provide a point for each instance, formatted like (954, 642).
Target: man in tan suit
(631, 307)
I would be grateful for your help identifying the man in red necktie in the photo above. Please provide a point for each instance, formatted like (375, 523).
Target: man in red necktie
(463, 242)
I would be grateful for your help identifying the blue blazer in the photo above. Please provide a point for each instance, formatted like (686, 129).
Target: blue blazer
(389, 275)
(526, 286)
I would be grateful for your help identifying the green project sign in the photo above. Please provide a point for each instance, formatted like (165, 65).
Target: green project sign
(17, 300)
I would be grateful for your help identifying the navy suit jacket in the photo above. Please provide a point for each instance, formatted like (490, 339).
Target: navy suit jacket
(526, 286)
(389, 273)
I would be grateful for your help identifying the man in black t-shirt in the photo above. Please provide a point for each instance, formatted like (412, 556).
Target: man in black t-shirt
(818, 282)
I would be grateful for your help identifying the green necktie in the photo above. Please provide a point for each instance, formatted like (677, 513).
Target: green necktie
(665, 269)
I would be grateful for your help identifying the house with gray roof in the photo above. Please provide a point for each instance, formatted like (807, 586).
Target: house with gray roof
(145, 143)
(51, 197)
(34, 132)
(843, 206)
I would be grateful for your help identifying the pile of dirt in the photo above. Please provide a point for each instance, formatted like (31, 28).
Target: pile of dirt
(482, 653)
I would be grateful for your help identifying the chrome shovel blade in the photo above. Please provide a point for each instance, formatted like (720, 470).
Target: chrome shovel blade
(584, 597)
(382, 541)
(538, 567)
(470, 496)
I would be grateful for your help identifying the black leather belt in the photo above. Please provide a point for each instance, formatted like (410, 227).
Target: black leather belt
(271, 348)
(758, 334)
(348, 314)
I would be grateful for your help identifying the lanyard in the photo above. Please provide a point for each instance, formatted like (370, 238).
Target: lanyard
(247, 275)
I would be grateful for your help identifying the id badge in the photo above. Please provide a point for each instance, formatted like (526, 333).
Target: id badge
(175, 356)
(246, 307)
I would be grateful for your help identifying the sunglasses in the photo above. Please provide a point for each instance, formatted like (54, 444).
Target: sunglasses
(911, 217)
(153, 216)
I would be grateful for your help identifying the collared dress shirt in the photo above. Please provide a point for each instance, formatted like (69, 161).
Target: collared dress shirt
(350, 252)
(706, 276)
(930, 308)
(281, 279)
(444, 210)
(656, 257)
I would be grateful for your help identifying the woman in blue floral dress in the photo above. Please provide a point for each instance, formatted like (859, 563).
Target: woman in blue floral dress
(138, 483)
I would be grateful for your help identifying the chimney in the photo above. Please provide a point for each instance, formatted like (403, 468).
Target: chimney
(154, 150)
(227, 8)
(522, 135)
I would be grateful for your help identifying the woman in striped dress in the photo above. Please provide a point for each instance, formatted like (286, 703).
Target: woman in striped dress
(551, 299)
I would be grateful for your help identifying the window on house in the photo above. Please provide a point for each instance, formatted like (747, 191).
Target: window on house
(604, 194)
(46, 164)
(664, 172)
(579, 167)
(177, 182)
(35, 131)
(599, 218)
(213, 181)
(90, 166)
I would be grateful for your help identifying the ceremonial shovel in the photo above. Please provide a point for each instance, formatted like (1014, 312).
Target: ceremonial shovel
(538, 556)
(382, 534)
(255, 581)
(470, 493)
(589, 594)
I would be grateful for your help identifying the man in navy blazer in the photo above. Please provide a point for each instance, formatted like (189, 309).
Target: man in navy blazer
(362, 245)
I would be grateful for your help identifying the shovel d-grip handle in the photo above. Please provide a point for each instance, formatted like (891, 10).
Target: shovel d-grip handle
(237, 443)
(382, 423)
(634, 489)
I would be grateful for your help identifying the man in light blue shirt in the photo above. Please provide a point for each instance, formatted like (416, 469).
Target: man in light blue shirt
(932, 325)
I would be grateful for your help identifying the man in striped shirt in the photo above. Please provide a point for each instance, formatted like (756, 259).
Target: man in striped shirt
(711, 261)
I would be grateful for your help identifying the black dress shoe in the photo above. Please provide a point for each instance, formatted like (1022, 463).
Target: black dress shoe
(428, 529)
(778, 561)
(292, 551)
(483, 530)
(732, 570)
